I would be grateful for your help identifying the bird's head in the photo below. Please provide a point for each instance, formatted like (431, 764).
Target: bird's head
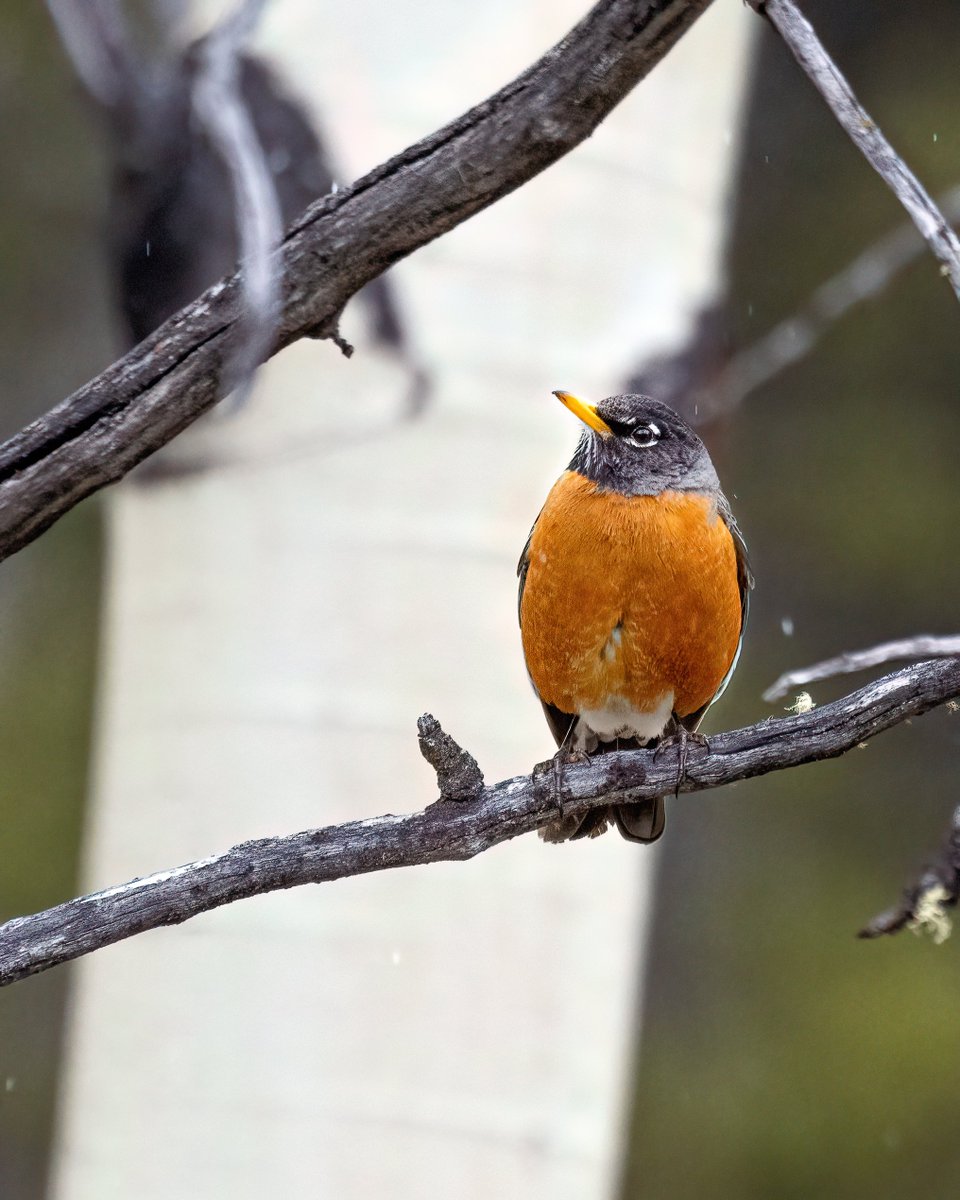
(639, 447)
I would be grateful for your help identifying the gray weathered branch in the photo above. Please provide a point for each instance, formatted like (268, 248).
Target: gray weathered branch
(474, 819)
(904, 649)
(342, 242)
(807, 49)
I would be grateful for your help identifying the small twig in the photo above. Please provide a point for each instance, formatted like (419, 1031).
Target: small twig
(903, 650)
(454, 832)
(924, 904)
(218, 105)
(806, 48)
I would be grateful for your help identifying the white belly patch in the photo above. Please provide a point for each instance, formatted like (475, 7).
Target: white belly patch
(619, 719)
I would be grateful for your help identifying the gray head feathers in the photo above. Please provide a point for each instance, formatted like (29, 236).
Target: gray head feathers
(650, 449)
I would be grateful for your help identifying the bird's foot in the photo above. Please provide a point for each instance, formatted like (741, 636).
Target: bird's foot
(562, 757)
(683, 738)
(574, 756)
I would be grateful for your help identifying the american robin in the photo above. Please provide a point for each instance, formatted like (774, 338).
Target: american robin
(634, 585)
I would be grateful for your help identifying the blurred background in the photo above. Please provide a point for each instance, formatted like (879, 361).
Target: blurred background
(715, 1030)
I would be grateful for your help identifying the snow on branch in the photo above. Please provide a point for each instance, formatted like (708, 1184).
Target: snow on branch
(467, 819)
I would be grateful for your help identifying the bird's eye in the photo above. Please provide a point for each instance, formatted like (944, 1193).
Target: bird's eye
(646, 434)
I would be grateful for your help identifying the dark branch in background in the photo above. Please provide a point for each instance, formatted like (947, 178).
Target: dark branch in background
(924, 904)
(705, 388)
(905, 649)
(473, 818)
(219, 106)
(860, 280)
(806, 48)
(173, 227)
(342, 242)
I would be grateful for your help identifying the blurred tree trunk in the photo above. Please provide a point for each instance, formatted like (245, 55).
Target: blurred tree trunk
(54, 334)
(277, 621)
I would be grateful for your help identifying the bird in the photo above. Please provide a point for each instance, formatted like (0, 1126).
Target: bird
(634, 591)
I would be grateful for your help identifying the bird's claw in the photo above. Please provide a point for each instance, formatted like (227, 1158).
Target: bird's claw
(683, 738)
(561, 757)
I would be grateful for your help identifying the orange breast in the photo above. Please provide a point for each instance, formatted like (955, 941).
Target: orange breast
(629, 596)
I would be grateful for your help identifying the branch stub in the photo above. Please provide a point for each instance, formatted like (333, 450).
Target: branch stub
(458, 772)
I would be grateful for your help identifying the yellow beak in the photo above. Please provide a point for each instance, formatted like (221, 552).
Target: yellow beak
(586, 412)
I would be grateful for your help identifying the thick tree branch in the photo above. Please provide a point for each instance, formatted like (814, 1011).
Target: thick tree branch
(456, 829)
(806, 48)
(342, 242)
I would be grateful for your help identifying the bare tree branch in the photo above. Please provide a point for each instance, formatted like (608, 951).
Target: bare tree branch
(905, 649)
(218, 104)
(456, 828)
(342, 242)
(924, 905)
(826, 77)
(862, 279)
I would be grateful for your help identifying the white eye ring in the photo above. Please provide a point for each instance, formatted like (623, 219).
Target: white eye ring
(646, 435)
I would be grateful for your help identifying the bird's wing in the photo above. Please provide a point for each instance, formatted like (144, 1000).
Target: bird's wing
(560, 723)
(745, 581)
(522, 567)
